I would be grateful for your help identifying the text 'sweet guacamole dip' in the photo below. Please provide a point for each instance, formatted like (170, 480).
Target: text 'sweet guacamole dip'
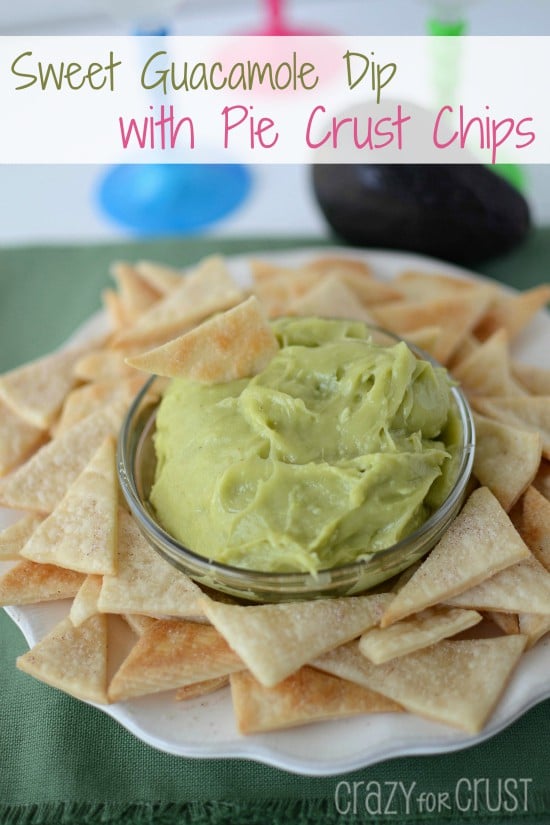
(337, 450)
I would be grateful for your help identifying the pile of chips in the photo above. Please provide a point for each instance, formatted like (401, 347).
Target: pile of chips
(441, 641)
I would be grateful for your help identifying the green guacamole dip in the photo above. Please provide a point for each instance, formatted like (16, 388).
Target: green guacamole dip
(337, 450)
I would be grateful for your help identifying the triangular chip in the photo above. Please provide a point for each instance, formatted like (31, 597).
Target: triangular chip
(534, 627)
(420, 285)
(508, 622)
(506, 459)
(425, 338)
(135, 294)
(43, 481)
(145, 582)
(234, 344)
(201, 688)
(73, 659)
(36, 391)
(206, 290)
(276, 639)
(457, 317)
(421, 630)
(455, 682)
(18, 439)
(85, 602)
(172, 654)
(139, 623)
(277, 287)
(103, 365)
(487, 370)
(28, 582)
(512, 312)
(524, 587)
(526, 412)
(534, 525)
(304, 697)
(535, 379)
(87, 399)
(14, 537)
(331, 298)
(480, 542)
(81, 533)
(162, 278)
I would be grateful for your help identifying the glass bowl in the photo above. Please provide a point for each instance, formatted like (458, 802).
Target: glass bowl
(136, 463)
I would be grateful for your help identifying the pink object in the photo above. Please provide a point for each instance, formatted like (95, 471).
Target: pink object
(276, 25)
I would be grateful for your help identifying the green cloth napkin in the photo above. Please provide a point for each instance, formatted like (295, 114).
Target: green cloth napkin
(62, 761)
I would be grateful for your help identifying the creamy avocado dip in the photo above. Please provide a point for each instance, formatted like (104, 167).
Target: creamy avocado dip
(337, 450)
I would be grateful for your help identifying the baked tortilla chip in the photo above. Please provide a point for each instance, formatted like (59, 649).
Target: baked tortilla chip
(135, 294)
(331, 298)
(171, 655)
(526, 412)
(535, 380)
(480, 542)
(206, 290)
(72, 659)
(534, 627)
(81, 533)
(512, 312)
(304, 697)
(145, 582)
(506, 459)
(162, 278)
(236, 344)
(420, 285)
(28, 583)
(457, 317)
(421, 630)
(275, 640)
(508, 622)
(454, 682)
(85, 400)
(103, 365)
(14, 537)
(139, 623)
(521, 588)
(487, 370)
(85, 602)
(18, 439)
(201, 688)
(534, 525)
(41, 483)
(37, 390)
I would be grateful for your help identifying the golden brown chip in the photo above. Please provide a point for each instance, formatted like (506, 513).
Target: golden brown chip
(275, 640)
(487, 370)
(457, 317)
(535, 380)
(235, 344)
(534, 525)
(28, 582)
(103, 365)
(542, 479)
(526, 412)
(161, 277)
(37, 390)
(41, 483)
(206, 290)
(506, 459)
(14, 537)
(81, 533)
(85, 400)
(523, 587)
(421, 630)
(512, 312)
(145, 582)
(331, 298)
(85, 602)
(277, 288)
(139, 623)
(480, 542)
(534, 627)
(421, 285)
(304, 697)
(136, 295)
(508, 622)
(170, 655)
(455, 682)
(72, 659)
(18, 439)
(201, 688)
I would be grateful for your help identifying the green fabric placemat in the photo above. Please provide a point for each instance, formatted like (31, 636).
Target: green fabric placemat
(62, 761)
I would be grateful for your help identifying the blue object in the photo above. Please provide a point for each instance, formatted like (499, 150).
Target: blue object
(156, 199)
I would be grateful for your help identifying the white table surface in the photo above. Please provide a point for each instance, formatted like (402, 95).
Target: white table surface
(57, 203)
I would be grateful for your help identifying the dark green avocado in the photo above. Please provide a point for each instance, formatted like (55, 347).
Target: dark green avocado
(461, 213)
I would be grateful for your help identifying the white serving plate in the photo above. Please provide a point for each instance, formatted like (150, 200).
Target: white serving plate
(204, 727)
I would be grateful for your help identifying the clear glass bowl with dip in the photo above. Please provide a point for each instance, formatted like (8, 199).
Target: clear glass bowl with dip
(137, 467)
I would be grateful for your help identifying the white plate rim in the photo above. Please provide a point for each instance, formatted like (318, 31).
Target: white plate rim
(396, 735)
